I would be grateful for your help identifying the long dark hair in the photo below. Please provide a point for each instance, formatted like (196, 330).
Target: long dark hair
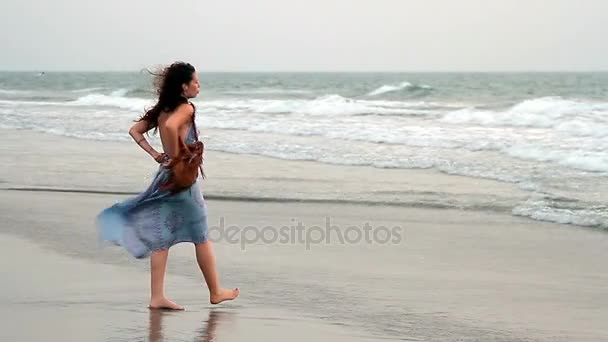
(168, 83)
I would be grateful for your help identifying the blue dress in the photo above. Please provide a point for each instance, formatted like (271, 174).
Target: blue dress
(156, 219)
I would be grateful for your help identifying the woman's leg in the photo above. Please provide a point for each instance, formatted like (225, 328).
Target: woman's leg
(206, 261)
(158, 266)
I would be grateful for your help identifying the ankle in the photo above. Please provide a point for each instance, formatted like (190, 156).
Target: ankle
(157, 297)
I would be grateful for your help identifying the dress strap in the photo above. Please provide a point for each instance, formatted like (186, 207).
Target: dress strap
(193, 107)
(196, 135)
(193, 121)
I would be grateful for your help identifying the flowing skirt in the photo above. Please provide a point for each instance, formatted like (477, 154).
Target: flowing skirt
(155, 219)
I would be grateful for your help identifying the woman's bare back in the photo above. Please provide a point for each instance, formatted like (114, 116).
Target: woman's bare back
(164, 129)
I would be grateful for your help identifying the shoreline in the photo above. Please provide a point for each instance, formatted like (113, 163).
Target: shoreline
(37, 161)
(43, 160)
(213, 197)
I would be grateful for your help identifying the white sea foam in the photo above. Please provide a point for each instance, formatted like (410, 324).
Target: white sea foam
(577, 159)
(547, 112)
(389, 88)
(119, 92)
(87, 90)
(545, 210)
(100, 100)
(583, 127)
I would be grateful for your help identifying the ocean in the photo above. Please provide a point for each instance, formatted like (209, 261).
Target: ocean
(545, 132)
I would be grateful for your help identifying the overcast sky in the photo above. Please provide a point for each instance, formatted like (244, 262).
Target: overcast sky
(305, 35)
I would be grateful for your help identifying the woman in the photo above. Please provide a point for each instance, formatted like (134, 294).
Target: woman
(153, 221)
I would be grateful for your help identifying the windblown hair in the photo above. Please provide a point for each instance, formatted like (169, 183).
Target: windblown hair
(168, 84)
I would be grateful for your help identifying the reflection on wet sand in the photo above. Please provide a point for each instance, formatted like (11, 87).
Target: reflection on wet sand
(206, 334)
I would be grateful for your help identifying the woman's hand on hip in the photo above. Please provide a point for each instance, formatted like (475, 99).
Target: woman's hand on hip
(159, 157)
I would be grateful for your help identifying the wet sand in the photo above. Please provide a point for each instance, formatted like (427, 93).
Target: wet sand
(50, 297)
(454, 276)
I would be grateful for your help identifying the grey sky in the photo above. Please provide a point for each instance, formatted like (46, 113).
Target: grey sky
(304, 35)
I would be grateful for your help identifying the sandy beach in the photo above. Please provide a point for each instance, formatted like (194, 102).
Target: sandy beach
(454, 276)
(435, 270)
(52, 297)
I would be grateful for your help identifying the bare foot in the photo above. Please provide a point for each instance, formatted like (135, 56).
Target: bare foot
(164, 304)
(223, 294)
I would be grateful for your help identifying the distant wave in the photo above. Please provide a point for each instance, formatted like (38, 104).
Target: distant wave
(392, 88)
(331, 117)
(541, 113)
(132, 92)
(31, 102)
(13, 92)
(115, 99)
(574, 117)
(87, 90)
(267, 91)
(119, 92)
(327, 105)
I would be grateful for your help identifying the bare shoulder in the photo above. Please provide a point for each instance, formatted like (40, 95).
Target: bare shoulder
(182, 114)
(184, 110)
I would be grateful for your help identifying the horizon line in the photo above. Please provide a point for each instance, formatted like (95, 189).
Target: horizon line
(307, 71)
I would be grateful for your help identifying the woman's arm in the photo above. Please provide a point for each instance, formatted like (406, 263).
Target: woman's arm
(137, 133)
